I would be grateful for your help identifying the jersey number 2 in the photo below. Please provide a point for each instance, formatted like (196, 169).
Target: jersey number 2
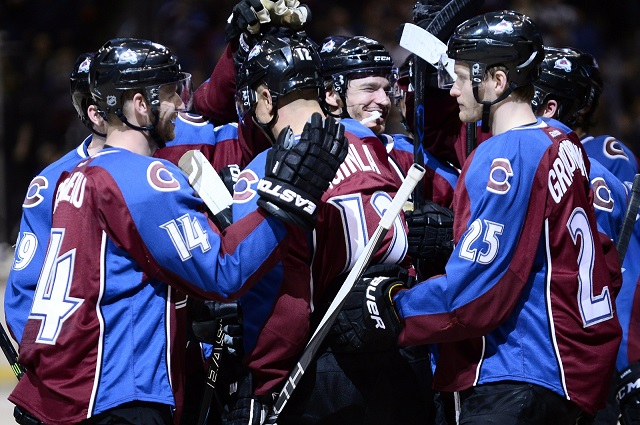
(593, 308)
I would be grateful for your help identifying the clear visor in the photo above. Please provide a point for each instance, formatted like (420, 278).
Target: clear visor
(184, 88)
(446, 76)
(401, 87)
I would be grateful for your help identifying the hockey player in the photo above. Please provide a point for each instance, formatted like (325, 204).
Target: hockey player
(568, 89)
(280, 87)
(610, 151)
(525, 313)
(358, 71)
(560, 93)
(100, 315)
(192, 132)
(35, 224)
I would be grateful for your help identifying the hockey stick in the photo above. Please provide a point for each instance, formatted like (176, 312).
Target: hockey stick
(413, 176)
(10, 353)
(419, 77)
(428, 46)
(629, 219)
(206, 182)
(208, 185)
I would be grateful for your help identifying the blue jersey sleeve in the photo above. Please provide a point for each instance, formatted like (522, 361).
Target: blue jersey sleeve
(180, 244)
(31, 246)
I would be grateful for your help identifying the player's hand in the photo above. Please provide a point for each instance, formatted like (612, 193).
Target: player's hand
(246, 411)
(430, 237)
(207, 315)
(243, 407)
(253, 16)
(247, 15)
(297, 174)
(424, 11)
(288, 13)
(368, 320)
(628, 395)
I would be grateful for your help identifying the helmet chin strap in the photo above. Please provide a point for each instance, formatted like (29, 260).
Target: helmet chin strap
(266, 129)
(486, 106)
(89, 125)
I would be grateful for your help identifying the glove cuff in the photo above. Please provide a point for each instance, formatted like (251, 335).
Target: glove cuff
(288, 202)
(629, 384)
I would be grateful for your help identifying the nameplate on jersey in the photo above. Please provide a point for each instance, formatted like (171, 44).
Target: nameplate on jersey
(359, 159)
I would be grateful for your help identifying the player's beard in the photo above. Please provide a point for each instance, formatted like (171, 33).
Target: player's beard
(165, 130)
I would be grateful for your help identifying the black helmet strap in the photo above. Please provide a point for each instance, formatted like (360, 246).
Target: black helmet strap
(486, 106)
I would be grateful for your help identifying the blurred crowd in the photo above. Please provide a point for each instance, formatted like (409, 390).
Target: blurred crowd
(40, 40)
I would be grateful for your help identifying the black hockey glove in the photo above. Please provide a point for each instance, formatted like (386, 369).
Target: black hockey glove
(246, 411)
(243, 407)
(205, 318)
(297, 174)
(247, 16)
(368, 321)
(424, 11)
(430, 237)
(258, 16)
(628, 395)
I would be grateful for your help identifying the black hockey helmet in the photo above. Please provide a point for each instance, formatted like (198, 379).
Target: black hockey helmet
(79, 86)
(346, 58)
(283, 64)
(590, 67)
(564, 80)
(124, 64)
(504, 38)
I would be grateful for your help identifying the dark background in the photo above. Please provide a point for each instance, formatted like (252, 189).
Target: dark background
(40, 40)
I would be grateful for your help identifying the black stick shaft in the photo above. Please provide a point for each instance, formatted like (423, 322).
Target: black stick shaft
(629, 219)
(10, 353)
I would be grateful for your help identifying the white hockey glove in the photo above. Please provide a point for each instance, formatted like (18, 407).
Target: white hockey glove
(288, 13)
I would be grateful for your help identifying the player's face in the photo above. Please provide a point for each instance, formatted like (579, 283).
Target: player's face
(170, 104)
(462, 90)
(368, 95)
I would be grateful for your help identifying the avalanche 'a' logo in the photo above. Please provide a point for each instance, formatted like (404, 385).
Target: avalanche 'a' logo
(328, 46)
(502, 27)
(563, 64)
(160, 178)
(242, 191)
(33, 197)
(84, 66)
(499, 176)
(128, 56)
